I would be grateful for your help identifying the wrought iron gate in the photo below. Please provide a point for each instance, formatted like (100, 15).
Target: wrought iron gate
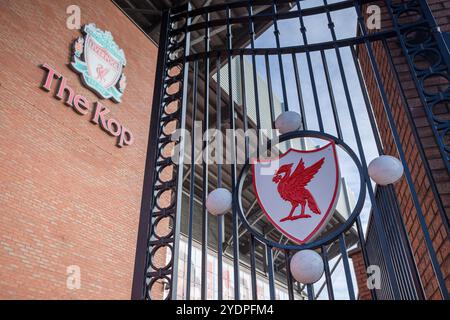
(211, 68)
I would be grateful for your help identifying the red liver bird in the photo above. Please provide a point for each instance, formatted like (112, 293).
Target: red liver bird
(292, 187)
(101, 73)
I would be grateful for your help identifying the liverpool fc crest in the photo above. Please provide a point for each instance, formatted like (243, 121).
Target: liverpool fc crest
(298, 190)
(100, 61)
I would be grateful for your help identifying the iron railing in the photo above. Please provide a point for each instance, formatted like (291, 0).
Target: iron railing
(190, 86)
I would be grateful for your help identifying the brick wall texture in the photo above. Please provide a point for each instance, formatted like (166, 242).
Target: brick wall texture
(360, 274)
(68, 194)
(434, 221)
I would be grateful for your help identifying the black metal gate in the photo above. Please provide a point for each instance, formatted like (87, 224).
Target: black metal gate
(215, 72)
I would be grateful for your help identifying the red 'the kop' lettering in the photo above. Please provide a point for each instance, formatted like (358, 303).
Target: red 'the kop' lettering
(81, 105)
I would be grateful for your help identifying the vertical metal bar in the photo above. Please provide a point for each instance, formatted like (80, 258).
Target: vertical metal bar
(253, 267)
(327, 273)
(233, 164)
(380, 260)
(378, 143)
(310, 290)
(270, 272)
(192, 182)
(255, 75)
(204, 287)
(219, 185)
(310, 68)
(301, 104)
(348, 275)
(244, 109)
(280, 58)
(331, 94)
(220, 233)
(331, 273)
(269, 88)
(406, 248)
(407, 173)
(367, 102)
(397, 245)
(147, 199)
(392, 240)
(180, 173)
(377, 258)
(366, 260)
(401, 248)
(288, 275)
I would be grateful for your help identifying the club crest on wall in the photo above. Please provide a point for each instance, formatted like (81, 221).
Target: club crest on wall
(298, 191)
(100, 62)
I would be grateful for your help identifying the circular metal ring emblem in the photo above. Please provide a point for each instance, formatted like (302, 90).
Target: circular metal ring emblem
(298, 191)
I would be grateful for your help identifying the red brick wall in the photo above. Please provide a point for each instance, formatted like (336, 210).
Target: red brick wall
(433, 219)
(68, 195)
(360, 273)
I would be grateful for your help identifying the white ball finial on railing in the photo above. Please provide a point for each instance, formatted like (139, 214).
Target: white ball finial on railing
(219, 201)
(288, 121)
(385, 170)
(307, 266)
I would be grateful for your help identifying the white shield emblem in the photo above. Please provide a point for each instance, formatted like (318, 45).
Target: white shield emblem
(102, 65)
(100, 61)
(298, 190)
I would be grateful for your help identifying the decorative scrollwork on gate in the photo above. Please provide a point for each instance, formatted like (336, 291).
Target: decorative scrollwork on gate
(428, 59)
(161, 240)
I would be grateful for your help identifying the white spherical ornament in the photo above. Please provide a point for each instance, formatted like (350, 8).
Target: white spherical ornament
(288, 121)
(219, 201)
(306, 266)
(385, 170)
